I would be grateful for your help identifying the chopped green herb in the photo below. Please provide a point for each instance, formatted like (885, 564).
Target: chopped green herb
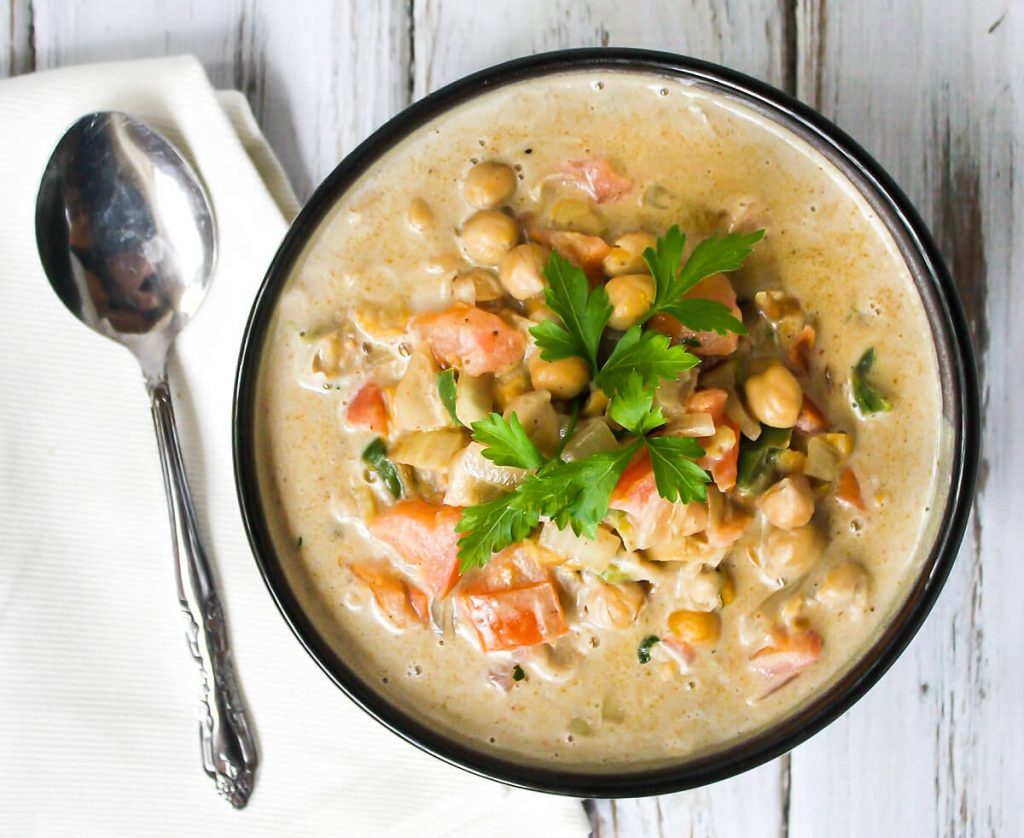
(673, 278)
(517, 673)
(676, 475)
(757, 456)
(633, 407)
(643, 651)
(299, 542)
(584, 313)
(866, 398)
(569, 493)
(375, 456)
(446, 390)
(506, 442)
(648, 354)
(576, 494)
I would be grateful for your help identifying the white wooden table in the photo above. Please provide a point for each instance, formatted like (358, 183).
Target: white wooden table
(935, 90)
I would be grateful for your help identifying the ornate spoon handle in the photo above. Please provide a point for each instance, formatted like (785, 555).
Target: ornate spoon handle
(228, 747)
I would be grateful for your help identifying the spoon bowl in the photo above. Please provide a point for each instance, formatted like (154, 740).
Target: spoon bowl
(126, 237)
(125, 233)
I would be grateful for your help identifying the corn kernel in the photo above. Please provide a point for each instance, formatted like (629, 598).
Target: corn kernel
(728, 591)
(699, 627)
(790, 461)
(596, 403)
(843, 443)
(721, 443)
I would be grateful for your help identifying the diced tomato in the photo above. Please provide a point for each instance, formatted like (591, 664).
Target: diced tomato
(723, 468)
(788, 652)
(367, 410)
(403, 604)
(424, 535)
(512, 602)
(587, 252)
(680, 651)
(848, 489)
(656, 518)
(717, 288)
(516, 617)
(514, 567)
(471, 339)
(811, 419)
(800, 348)
(597, 177)
(711, 401)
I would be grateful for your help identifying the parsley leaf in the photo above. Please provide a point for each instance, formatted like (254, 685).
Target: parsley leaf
(705, 316)
(584, 313)
(375, 456)
(643, 651)
(648, 354)
(507, 442)
(867, 399)
(757, 456)
(446, 390)
(517, 673)
(633, 407)
(572, 494)
(672, 279)
(493, 526)
(676, 475)
(584, 488)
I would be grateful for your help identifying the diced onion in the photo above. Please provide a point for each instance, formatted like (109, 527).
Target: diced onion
(693, 424)
(822, 459)
(594, 554)
(429, 450)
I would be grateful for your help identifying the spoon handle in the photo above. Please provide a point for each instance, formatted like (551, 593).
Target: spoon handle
(225, 735)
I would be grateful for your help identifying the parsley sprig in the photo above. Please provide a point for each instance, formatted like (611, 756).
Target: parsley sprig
(576, 493)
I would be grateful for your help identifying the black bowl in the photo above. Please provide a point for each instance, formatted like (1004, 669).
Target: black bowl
(959, 394)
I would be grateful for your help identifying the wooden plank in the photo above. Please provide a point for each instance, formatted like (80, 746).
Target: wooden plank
(453, 38)
(938, 747)
(318, 82)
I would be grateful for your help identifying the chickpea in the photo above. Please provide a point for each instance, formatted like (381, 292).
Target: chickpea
(845, 585)
(522, 271)
(486, 287)
(789, 503)
(419, 216)
(789, 554)
(630, 295)
(774, 396)
(728, 591)
(564, 378)
(488, 236)
(613, 606)
(488, 185)
(627, 257)
(721, 442)
(701, 628)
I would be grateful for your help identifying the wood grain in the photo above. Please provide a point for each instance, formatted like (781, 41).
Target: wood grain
(935, 94)
(934, 91)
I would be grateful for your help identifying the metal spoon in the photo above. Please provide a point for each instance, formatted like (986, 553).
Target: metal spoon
(126, 236)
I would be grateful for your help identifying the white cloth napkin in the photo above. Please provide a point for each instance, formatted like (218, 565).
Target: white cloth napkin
(97, 690)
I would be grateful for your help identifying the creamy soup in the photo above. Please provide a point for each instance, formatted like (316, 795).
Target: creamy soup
(752, 509)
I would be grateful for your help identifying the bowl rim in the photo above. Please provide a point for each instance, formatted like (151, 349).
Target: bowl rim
(815, 714)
